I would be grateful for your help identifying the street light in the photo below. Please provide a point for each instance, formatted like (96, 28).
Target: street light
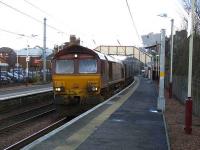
(161, 97)
(17, 64)
(27, 54)
(171, 58)
(171, 52)
(20, 36)
(27, 59)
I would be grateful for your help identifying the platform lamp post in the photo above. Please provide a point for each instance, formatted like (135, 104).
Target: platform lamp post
(27, 55)
(171, 58)
(161, 97)
(44, 52)
(27, 60)
(17, 53)
(188, 102)
(171, 53)
(17, 65)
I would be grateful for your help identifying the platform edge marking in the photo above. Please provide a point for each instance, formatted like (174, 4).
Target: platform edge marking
(41, 139)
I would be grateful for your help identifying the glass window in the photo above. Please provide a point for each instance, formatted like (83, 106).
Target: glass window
(64, 66)
(87, 66)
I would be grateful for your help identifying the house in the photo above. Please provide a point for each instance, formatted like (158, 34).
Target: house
(33, 56)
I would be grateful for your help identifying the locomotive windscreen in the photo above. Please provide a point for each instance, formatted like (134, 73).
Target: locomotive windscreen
(87, 66)
(64, 66)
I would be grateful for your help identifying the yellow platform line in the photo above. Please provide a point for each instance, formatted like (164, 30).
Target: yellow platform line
(80, 136)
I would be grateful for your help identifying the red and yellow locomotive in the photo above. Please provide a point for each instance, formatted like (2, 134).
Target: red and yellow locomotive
(80, 73)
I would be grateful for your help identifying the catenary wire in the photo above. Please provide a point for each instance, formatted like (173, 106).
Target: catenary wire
(139, 38)
(29, 16)
(51, 16)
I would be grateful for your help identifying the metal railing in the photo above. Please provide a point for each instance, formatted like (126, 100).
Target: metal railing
(180, 91)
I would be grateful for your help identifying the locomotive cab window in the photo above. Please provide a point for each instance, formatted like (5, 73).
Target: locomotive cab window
(64, 66)
(87, 66)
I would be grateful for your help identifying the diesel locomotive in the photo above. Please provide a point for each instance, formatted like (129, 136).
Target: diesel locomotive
(80, 73)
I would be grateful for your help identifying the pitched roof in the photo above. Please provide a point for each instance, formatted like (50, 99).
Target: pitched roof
(33, 52)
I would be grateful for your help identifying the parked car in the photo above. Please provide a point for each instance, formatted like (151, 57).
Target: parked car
(5, 79)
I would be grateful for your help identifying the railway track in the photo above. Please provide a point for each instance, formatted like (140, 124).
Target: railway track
(18, 119)
(47, 129)
(13, 129)
(36, 135)
(28, 139)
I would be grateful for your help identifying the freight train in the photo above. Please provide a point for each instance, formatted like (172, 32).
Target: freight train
(80, 73)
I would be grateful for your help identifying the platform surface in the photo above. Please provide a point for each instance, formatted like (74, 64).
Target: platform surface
(14, 92)
(127, 122)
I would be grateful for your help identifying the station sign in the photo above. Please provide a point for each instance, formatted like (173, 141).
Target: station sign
(27, 58)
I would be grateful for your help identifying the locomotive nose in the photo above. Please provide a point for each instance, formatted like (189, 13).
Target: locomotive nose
(75, 86)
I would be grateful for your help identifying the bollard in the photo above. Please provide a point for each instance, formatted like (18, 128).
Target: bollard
(188, 116)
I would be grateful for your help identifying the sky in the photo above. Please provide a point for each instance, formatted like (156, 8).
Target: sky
(95, 22)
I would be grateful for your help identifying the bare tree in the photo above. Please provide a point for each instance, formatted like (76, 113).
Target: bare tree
(8, 55)
(187, 7)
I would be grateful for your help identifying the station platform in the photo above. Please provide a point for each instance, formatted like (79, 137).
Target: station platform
(23, 90)
(127, 121)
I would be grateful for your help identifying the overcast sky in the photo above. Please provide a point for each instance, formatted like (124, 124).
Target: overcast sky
(96, 22)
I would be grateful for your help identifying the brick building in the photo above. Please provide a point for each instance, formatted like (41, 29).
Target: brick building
(34, 55)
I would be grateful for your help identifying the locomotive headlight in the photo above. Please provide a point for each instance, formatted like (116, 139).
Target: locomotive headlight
(94, 89)
(59, 89)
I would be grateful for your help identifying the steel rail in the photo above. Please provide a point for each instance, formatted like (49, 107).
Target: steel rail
(25, 120)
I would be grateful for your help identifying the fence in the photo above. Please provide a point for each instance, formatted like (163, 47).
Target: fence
(11, 76)
(179, 88)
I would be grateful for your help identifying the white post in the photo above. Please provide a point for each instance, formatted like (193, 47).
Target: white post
(191, 53)
(17, 60)
(27, 59)
(171, 58)
(44, 52)
(17, 65)
(161, 97)
(188, 102)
